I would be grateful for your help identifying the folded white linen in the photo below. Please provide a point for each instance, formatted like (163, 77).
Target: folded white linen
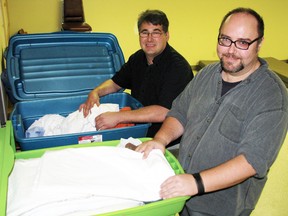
(91, 179)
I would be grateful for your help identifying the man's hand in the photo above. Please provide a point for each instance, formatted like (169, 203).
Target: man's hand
(148, 146)
(93, 98)
(225, 175)
(105, 88)
(178, 185)
(107, 120)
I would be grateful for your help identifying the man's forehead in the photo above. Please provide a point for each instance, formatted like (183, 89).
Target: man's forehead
(148, 25)
(241, 18)
(240, 23)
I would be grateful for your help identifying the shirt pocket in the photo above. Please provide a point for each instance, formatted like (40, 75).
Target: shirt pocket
(231, 125)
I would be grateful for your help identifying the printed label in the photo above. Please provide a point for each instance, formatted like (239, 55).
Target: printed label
(90, 139)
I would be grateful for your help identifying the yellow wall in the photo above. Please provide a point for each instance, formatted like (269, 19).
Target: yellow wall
(193, 24)
(4, 32)
(193, 29)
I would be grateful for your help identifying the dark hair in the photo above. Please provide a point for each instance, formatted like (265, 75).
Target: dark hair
(156, 17)
(247, 11)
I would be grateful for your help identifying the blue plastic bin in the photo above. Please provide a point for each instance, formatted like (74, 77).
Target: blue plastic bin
(53, 73)
(26, 112)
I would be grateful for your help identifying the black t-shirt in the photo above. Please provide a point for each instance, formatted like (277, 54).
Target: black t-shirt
(156, 84)
(226, 86)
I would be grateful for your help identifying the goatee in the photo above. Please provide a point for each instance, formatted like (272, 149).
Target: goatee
(229, 70)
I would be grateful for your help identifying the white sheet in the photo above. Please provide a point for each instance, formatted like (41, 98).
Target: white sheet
(83, 181)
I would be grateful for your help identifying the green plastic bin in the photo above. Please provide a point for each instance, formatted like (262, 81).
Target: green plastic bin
(8, 154)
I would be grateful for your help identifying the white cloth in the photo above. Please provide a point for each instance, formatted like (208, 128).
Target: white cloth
(50, 124)
(55, 124)
(131, 140)
(85, 181)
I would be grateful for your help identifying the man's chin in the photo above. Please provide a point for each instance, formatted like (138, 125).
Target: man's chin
(230, 68)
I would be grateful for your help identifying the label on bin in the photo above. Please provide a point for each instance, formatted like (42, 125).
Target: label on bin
(89, 139)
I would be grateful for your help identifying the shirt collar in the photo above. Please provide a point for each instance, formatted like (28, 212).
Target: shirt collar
(163, 53)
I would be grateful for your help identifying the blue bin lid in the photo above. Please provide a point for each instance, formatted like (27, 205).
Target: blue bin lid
(60, 64)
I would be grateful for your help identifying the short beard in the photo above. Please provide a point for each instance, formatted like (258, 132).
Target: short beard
(237, 69)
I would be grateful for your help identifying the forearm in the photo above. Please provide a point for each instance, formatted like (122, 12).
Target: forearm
(220, 177)
(106, 87)
(170, 131)
(227, 174)
(153, 113)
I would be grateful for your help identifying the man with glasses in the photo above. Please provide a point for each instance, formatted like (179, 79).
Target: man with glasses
(156, 75)
(233, 117)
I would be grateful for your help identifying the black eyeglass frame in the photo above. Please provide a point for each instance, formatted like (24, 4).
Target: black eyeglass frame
(234, 42)
(154, 34)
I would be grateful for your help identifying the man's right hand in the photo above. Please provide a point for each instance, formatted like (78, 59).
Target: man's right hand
(148, 146)
(93, 98)
(104, 88)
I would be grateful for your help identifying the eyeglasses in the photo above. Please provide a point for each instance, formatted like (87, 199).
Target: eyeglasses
(240, 44)
(154, 34)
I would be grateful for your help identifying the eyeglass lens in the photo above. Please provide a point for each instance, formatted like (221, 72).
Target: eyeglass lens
(240, 44)
(154, 34)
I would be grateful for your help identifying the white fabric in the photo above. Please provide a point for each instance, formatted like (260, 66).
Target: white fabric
(50, 124)
(131, 140)
(85, 181)
(55, 124)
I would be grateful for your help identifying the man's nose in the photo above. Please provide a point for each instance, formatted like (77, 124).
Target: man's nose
(149, 37)
(232, 48)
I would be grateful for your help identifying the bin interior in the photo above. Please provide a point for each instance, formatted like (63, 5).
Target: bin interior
(25, 113)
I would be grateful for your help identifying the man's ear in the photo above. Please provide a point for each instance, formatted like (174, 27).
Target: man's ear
(167, 35)
(260, 44)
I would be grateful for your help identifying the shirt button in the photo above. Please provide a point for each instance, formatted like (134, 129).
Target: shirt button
(198, 137)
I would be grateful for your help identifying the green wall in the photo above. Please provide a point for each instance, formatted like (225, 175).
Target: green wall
(193, 24)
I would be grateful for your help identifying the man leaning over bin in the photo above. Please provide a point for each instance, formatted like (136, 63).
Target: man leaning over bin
(156, 75)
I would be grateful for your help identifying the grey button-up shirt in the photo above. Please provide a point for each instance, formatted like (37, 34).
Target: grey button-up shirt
(250, 119)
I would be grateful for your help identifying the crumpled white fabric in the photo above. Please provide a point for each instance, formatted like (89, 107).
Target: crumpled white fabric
(47, 125)
(131, 140)
(85, 181)
(55, 124)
